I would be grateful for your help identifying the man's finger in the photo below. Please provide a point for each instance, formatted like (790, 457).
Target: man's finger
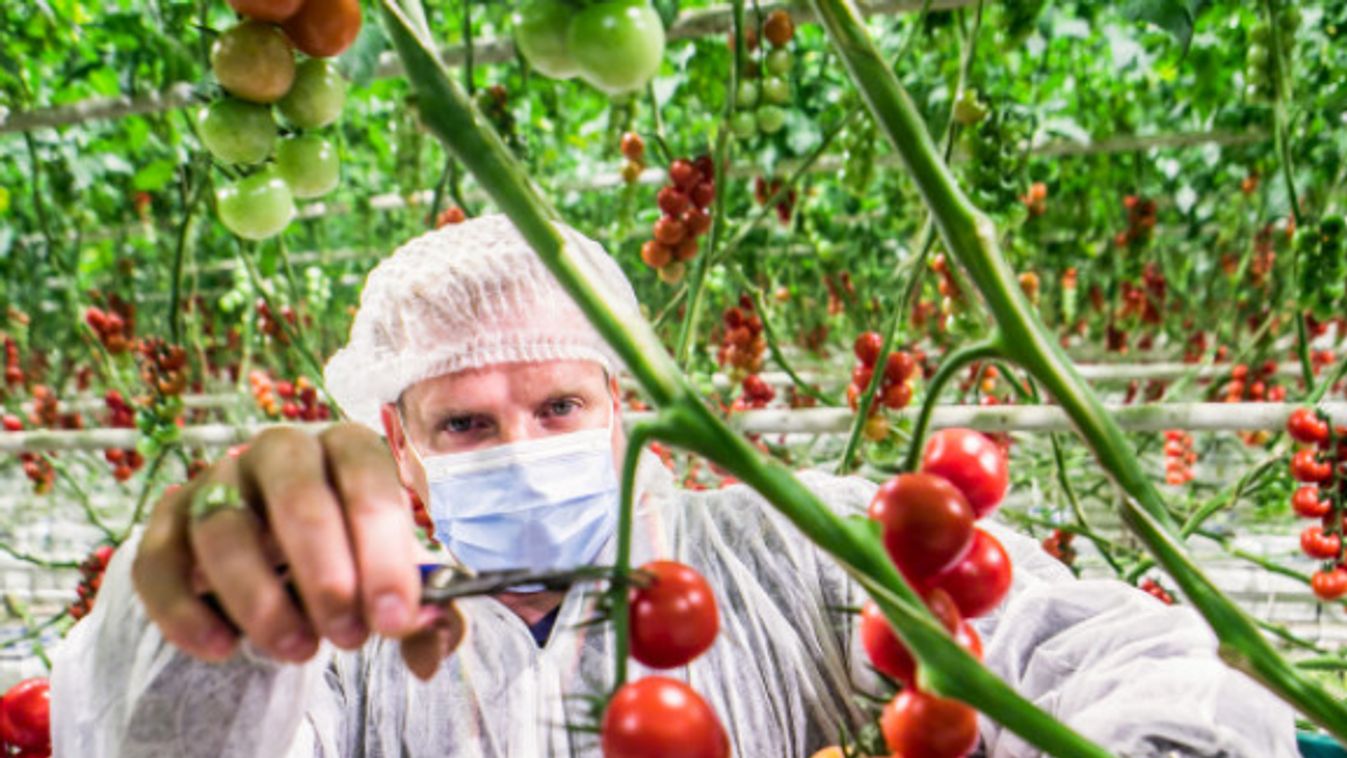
(228, 543)
(161, 573)
(379, 523)
(286, 470)
(440, 632)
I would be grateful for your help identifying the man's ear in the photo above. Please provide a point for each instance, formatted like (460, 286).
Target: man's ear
(397, 441)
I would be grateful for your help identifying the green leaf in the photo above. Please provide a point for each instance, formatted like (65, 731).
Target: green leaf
(154, 176)
(1178, 17)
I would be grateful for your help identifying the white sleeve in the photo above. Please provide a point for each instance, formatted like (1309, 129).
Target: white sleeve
(118, 689)
(1136, 676)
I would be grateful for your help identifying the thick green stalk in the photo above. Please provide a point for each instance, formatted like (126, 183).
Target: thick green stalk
(619, 598)
(954, 361)
(971, 237)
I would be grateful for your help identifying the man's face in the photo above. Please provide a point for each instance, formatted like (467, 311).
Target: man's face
(498, 405)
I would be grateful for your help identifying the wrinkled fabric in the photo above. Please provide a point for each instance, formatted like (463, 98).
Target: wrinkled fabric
(1139, 677)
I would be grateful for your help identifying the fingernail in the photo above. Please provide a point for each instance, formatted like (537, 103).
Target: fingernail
(295, 645)
(390, 613)
(349, 631)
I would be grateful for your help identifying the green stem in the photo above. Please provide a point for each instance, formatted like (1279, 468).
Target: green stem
(1059, 464)
(180, 253)
(954, 362)
(619, 597)
(42, 563)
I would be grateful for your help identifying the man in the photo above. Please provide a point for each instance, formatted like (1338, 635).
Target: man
(500, 407)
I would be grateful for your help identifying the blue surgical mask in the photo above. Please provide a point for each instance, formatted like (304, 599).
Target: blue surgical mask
(547, 503)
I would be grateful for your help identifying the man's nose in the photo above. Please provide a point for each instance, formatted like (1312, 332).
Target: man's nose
(515, 428)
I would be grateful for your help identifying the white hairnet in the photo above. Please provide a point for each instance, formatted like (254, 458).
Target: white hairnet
(461, 297)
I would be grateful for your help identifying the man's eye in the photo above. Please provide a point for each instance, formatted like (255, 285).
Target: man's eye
(459, 424)
(562, 407)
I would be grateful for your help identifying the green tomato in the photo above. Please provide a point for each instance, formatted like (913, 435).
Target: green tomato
(1260, 34)
(254, 61)
(744, 124)
(257, 207)
(617, 44)
(776, 90)
(317, 96)
(540, 34)
(778, 62)
(771, 119)
(1290, 17)
(747, 94)
(309, 164)
(235, 131)
(1257, 56)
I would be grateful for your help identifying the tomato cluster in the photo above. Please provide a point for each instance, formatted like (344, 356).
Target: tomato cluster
(91, 579)
(1058, 545)
(757, 393)
(268, 324)
(1323, 267)
(672, 620)
(1320, 465)
(293, 401)
(927, 523)
(451, 215)
(758, 101)
(1153, 588)
(421, 516)
(254, 62)
(1255, 386)
(114, 327)
(36, 467)
(683, 204)
(895, 389)
(13, 367)
(615, 46)
(743, 343)
(764, 190)
(1036, 199)
(1141, 218)
(25, 719)
(1179, 457)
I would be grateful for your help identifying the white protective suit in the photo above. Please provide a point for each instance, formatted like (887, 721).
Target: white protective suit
(1139, 677)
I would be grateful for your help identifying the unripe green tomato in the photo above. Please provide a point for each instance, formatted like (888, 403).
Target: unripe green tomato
(254, 61)
(309, 164)
(775, 90)
(317, 96)
(540, 33)
(617, 44)
(1257, 56)
(747, 94)
(1290, 17)
(778, 62)
(235, 131)
(771, 119)
(744, 124)
(1261, 34)
(257, 207)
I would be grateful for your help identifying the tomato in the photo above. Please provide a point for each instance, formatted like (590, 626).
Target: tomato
(672, 273)
(683, 174)
(674, 619)
(973, 463)
(981, 579)
(696, 221)
(1304, 426)
(867, 347)
(1329, 585)
(317, 96)
(771, 119)
(1306, 502)
(747, 94)
(253, 61)
(540, 34)
(890, 656)
(832, 751)
(1316, 544)
(633, 147)
(876, 429)
(235, 131)
(274, 11)
(25, 715)
(324, 28)
(309, 164)
(672, 201)
(618, 44)
(778, 62)
(744, 124)
(656, 254)
(917, 725)
(1306, 467)
(257, 207)
(927, 523)
(899, 366)
(703, 194)
(778, 28)
(776, 90)
(658, 717)
(669, 231)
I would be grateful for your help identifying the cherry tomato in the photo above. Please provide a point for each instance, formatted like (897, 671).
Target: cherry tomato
(1306, 502)
(633, 147)
(899, 366)
(274, 11)
(973, 463)
(890, 656)
(309, 164)
(683, 174)
(867, 347)
(778, 28)
(1331, 584)
(917, 725)
(669, 230)
(674, 619)
(256, 207)
(618, 44)
(324, 28)
(1306, 467)
(1304, 426)
(696, 221)
(658, 717)
(253, 61)
(927, 523)
(25, 715)
(540, 33)
(237, 131)
(317, 95)
(1316, 544)
(981, 579)
(672, 201)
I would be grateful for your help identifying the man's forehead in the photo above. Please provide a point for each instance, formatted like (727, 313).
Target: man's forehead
(509, 381)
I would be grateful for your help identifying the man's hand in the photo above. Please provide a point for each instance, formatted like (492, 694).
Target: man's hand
(333, 510)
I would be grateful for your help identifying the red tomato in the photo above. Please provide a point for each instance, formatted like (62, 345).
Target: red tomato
(1306, 467)
(324, 28)
(1316, 544)
(890, 656)
(1330, 585)
(975, 464)
(674, 619)
(899, 366)
(658, 717)
(917, 725)
(1306, 503)
(683, 174)
(981, 579)
(928, 525)
(672, 201)
(867, 347)
(1304, 426)
(25, 715)
(633, 147)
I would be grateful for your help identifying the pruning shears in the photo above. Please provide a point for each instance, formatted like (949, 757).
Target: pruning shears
(442, 582)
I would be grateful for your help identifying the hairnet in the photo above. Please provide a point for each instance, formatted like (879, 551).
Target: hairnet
(461, 297)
